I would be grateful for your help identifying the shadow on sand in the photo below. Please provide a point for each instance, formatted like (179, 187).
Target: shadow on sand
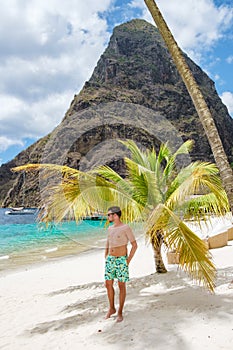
(169, 301)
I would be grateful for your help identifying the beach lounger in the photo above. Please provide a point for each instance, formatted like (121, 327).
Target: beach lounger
(230, 233)
(219, 240)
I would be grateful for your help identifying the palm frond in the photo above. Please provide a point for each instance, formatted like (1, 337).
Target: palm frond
(152, 160)
(108, 173)
(164, 153)
(193, 253)
(146, 185)
(81, 196)
(171, 159)
(185, 148)
(194, 257)
(50, 167)
(137, 155)
(196, 178)
(202, 206)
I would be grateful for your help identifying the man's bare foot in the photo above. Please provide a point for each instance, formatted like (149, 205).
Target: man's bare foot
(119, 318)
(110, 313)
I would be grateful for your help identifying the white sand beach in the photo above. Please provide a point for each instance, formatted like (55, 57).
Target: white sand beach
(61, 304)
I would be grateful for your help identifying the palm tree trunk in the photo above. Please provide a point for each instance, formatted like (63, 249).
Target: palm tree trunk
(157, 245)
(198, 100)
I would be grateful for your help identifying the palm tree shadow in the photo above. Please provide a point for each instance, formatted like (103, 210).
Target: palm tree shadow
(167, 301)
(58, 325)
(168, 305)
(84, 313)
(72, 289)
(224, 276)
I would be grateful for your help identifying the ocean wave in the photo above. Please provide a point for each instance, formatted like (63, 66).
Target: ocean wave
(4, 257)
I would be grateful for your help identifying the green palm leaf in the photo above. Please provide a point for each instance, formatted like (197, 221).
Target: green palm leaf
(155, 191)
(193, 253)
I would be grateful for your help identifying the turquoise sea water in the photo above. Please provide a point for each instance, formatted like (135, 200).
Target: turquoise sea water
(24, 241)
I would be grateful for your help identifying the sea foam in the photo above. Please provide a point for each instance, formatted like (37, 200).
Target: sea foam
(4, 257)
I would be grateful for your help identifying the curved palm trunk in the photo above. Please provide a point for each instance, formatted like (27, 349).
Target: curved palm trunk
(157, 245)
(198, 100)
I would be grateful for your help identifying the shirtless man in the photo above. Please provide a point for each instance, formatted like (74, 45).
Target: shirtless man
(117, 260)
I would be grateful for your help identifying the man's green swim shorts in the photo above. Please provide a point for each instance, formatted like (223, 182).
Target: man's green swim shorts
(116, 267)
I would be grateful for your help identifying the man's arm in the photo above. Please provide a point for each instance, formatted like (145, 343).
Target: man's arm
(106, 249)
(133, 249)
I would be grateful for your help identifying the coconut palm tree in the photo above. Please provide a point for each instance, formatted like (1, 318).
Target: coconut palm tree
(154, 192)
(165, 196)
(202, 109)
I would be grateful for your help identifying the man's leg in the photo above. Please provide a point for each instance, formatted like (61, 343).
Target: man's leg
(122, 295)
(111, 294)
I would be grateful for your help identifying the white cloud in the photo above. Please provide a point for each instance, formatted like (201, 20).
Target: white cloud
(47, 113)
(227, 98)
(31, 120)
(230, 59)
(196, 25)
(48, 49)
(6, 142)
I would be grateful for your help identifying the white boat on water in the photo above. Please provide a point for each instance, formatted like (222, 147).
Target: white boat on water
(20, 211)
(95, 216)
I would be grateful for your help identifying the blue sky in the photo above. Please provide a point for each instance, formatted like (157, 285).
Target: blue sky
(50, 48)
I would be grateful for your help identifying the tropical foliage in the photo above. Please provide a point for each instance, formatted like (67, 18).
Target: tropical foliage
(155, 191)
(167, 197)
